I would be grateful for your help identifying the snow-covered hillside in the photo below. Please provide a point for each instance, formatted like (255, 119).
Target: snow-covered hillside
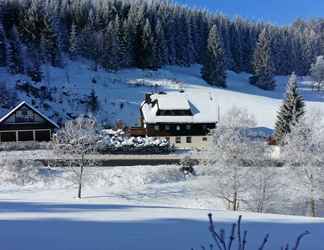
(121, 93)
(140, 208)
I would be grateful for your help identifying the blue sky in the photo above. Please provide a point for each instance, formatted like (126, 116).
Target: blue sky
(275, 11)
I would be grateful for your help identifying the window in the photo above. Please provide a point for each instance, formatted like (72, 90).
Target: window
(178, 128)
(188, 126)
(188, 139)
(156, 127)
(178, 139)
(204, 139)
(167, 127)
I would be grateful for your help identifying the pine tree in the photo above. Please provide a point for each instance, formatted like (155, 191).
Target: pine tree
(120, 44)
(2, 46)
(52, 48)
(34, 65)
(291, 111)
(147, 48)
(263, 68)
(191, 57)
(213, 70)
(170, 38)
(93, 102)
(236, 45)
(161, 45)
(110, 53)
(127, 45)
(14, 53)
(74, 43)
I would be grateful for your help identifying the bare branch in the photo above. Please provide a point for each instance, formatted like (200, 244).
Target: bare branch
(300, 237)
(265, 240)
(239, 233)
(232, 238)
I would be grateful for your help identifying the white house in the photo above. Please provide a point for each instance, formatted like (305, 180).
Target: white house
(185, 119)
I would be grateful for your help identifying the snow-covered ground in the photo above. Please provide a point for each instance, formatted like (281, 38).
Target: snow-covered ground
(136, 208)
(128, 208)
(121, 93)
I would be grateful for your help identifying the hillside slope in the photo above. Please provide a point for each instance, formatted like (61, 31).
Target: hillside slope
(120, 94)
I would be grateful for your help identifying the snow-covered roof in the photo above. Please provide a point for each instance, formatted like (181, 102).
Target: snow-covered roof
(176, 101)
(203, 107)
(2, 119)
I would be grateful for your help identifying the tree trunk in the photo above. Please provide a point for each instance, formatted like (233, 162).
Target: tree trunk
(312, 201)
(80, 182)
(313, 207)
(235, 202)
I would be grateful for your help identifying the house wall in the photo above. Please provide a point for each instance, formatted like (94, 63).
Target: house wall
(25, 125)
(197, 142)
(25, 135)
(179, 129)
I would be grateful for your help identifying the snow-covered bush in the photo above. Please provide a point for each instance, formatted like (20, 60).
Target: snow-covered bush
(20, 173)
(317, 72)
(124, 179)
(187, 166)
(117, 142)
(20, 146)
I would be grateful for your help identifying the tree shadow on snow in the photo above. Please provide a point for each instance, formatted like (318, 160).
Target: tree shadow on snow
(44, 207)
(159, 234)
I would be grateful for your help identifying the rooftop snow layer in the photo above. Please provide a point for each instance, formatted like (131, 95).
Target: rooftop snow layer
(174, 101)
(202, 105)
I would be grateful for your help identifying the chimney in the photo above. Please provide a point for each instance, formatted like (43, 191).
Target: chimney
(148, 98)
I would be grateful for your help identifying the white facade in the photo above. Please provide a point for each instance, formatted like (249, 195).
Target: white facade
(190, 142)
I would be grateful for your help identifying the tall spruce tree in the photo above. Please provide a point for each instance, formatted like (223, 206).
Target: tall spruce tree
(213, 70)
(93, 102)
(3, 46)
(263, 64)
(161, 45)
(14, 53)
(74, 42)
(292, 109)
(186, 34)
(52, 48)
(33, 68)
(110, 54)
(147, 47)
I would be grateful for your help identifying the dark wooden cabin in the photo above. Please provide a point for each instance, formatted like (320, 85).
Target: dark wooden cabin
(25, 123)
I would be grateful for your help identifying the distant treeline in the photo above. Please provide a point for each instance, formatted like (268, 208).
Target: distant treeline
(117, 34)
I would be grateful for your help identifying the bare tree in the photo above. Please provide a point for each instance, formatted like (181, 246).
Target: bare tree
(317, 73)
(304, 153)
(232, 155)
(264, 189)
(74, 143)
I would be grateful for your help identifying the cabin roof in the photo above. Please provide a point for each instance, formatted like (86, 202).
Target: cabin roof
(5, 117)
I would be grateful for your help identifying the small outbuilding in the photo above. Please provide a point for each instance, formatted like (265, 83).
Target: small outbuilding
(26, 123)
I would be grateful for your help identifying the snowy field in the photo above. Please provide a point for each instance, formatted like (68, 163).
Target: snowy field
(128, 208)
(121, 93)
